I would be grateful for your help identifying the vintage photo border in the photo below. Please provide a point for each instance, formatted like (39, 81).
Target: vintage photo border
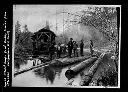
(9, 51)
(119, 50)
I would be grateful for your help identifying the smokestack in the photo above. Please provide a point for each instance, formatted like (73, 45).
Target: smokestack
(47, 25)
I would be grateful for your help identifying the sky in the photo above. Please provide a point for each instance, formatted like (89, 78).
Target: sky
(35, 16)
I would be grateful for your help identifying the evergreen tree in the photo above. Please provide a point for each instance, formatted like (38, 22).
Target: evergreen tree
(17, 32)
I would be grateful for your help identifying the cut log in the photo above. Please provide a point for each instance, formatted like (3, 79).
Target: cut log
(33, 67)
(87, 76)
(106, 72)
(67, 61)
(75, 70)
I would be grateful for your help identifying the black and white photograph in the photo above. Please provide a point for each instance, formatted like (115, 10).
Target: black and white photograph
(66, 45)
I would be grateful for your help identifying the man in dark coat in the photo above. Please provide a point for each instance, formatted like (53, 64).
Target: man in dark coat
(70, 47)
(81, 47)
(75, 46)
(59, 50)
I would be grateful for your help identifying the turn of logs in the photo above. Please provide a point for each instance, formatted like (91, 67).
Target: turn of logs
(87, 76)
(58, 63)
(70, 73)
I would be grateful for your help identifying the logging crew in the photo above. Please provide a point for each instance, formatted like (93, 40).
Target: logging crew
(91, 47)
(59, 50)
(70, 47)
(75, 46)
(81, 47)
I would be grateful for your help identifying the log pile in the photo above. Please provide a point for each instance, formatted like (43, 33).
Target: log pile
(87, 76)
(67, 61)
(106, 73)
(75, 70)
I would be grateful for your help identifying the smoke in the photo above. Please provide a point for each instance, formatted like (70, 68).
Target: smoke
(78, 32)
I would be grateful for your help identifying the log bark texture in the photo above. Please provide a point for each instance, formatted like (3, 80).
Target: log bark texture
(75, 70)
(67, 61)
(87, 76)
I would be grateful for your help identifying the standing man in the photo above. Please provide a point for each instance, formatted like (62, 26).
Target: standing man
(75, 46)
(81, 47)
(70, 47)
(91, 47)
(59, 49)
